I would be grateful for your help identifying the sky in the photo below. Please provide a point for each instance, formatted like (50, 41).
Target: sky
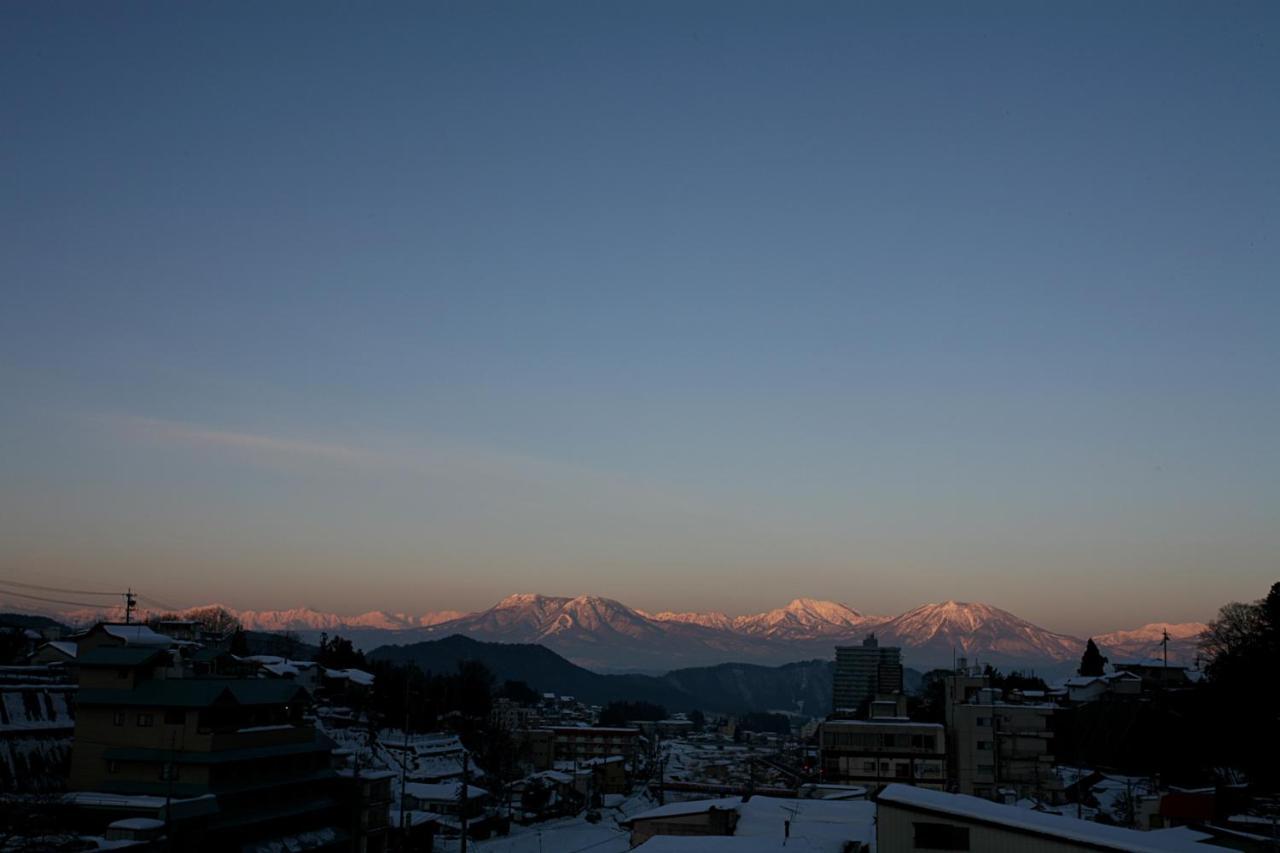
(692, 305)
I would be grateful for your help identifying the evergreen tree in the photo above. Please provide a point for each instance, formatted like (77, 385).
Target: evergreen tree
(1092, 662)
(339, 653)
(239, 644)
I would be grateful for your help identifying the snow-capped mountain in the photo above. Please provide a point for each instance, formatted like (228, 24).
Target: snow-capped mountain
(603, 633)
(805, 619)
(937, 632)
(1145, 642)
(710, 619)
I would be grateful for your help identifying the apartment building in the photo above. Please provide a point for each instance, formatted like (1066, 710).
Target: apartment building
(877, 752)
(147, 732)
(553, 744)
(999, 747)
(863, 672)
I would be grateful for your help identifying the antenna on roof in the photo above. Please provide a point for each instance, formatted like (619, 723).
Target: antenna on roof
(130, 602)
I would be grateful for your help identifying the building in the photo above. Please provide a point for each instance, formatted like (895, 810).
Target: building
(367, 794)
(756, 824)
(147, 731)
(999, 747)
(910, 819)
(36, 724)
(55, 652)
(304, 673)
(1091, 688)
(863, 672)
(509, 715)
(699, 817)
(1158, 675)
(878, 752)
(446, 798)
(581, 743)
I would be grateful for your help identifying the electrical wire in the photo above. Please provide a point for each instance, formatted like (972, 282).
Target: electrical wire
(7, 582)
(155, 602)
(97, 604)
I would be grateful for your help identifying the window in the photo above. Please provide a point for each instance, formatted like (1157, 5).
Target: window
(117, 719)
(941, 836)
(868, 767)
(985, 722)
(146, 720)
(113, 767)
(175, 717)
(984, 746)
(903, 771)
(168, 772)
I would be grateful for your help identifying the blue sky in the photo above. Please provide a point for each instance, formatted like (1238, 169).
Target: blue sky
(691, 305)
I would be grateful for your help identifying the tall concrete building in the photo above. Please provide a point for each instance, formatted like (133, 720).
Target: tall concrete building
(864, 671)
(1000, 744)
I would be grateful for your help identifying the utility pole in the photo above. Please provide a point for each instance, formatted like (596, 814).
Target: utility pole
(130, 602)
(1165, 642)
(404, 764)
(168, 793)
(466, 782)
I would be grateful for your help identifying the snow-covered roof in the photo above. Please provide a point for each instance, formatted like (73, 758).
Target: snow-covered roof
(64, 646)
(1054, 826)
(716, 844)
(687, 808)
(280, 670)
(135, 801)
(882, 721)
(813, 819)
(355, 676)
(137, 823)
(816, 826)
(442, 791)
(136, 635)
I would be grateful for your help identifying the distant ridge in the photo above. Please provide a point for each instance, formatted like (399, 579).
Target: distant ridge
(803, 687)
(605, 634)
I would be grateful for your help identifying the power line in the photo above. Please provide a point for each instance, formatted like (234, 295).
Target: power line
(157, 603)
(7, 582)
(98, 604)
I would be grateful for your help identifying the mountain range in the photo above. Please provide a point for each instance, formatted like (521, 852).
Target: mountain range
(607, 635)
(802, 688)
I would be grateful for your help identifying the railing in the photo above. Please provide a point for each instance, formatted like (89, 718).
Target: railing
(261, 736)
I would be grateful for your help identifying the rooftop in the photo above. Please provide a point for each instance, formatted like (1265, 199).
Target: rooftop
(442, 791)
(1038, 823)
(136, 635)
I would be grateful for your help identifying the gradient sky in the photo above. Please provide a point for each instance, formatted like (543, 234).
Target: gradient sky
(691, 305)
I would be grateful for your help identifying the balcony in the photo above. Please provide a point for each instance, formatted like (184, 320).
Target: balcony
(260, 736)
